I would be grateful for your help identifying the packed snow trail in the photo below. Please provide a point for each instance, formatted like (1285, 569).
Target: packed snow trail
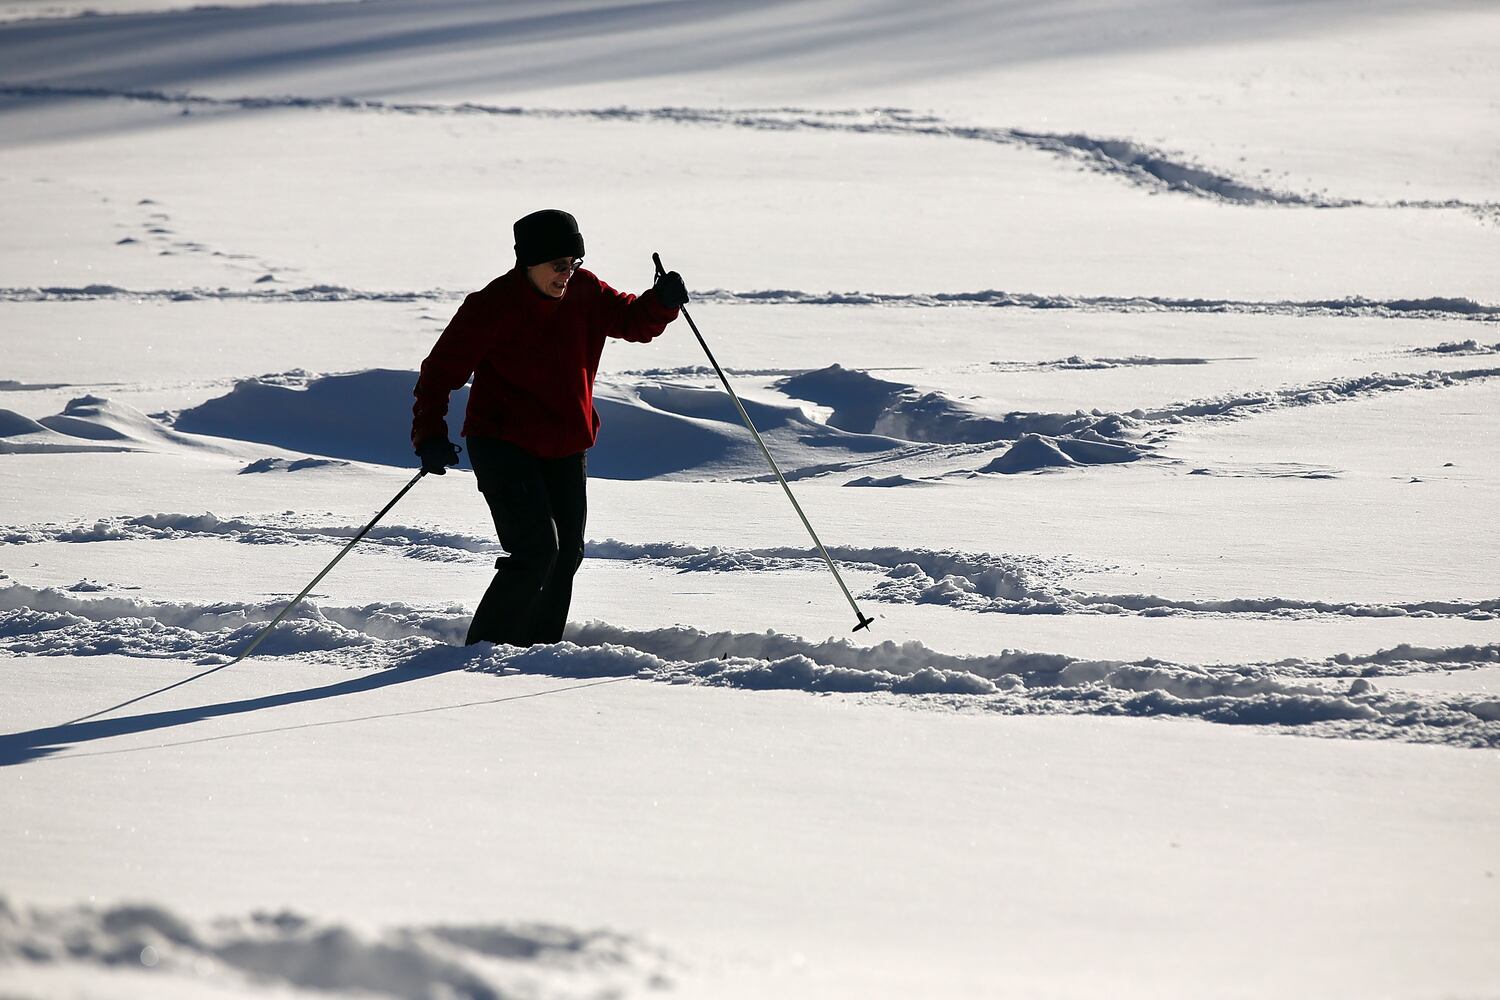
(990, 583)
(1335, 697)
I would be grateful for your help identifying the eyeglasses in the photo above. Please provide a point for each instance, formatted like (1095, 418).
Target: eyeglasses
(558, 267)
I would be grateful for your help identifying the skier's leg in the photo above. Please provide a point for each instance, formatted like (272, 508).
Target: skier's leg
(516, 491)
(567, 489)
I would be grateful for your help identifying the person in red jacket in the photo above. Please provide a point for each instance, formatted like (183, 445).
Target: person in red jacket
(531, 339)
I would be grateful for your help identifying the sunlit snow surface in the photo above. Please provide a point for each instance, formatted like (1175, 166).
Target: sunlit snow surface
(1138, 364)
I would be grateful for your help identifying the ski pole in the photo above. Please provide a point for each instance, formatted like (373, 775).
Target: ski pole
(275, 621)
(864, 622)
(342, 553)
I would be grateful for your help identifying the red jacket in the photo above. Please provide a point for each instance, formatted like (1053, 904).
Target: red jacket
(533, 359)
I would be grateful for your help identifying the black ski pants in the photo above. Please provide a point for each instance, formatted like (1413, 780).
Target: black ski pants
(539, 506)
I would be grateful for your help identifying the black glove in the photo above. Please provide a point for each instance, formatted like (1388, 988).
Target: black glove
(670, 290)
(437, 454)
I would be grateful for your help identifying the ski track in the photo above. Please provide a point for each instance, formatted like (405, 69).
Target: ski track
(1132, 162)
(976, 582)
(1434, 307)
(277, 951)
(1333, 697)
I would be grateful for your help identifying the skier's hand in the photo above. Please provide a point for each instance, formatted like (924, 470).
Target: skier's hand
(670, 290)
(437, 454)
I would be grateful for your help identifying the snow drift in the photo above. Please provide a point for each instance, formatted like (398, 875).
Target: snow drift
(653, 428)
(865, 404)
(93, 423)
(365, 417)
(649, 430)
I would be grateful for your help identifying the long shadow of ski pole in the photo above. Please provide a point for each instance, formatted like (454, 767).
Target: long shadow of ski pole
(331, 722)
(18, 748)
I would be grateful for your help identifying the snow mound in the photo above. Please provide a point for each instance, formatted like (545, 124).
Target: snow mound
(94, 423)
(660, 430)
(99, 419)
(298, 465)
(865, 404)
(13, 424)
(365, 416)
(287, 950)
(649, 429)
(897, 480)
(1031, 454)
(1037, 452)
(1458, 348)
(20, 435)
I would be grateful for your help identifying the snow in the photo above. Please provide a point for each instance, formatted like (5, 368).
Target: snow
(1135, 362)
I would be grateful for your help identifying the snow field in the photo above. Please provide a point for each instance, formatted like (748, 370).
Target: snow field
(689, 834)
(1137, 365)
(976, 214)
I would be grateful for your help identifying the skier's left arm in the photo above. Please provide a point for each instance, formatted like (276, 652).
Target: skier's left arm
(641, 317)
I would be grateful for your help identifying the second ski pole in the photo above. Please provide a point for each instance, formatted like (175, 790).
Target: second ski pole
(864, 622)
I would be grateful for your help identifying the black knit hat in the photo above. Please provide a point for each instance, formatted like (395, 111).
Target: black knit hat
(547, 235)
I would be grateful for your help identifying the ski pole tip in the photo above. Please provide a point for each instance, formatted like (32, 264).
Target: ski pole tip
(864, 623)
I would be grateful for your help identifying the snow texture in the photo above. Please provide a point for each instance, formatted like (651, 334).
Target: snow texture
(1290, 694)
(271, 950)
(1135, 328)
(1127, 160)
(1435, 307)
(976, 582)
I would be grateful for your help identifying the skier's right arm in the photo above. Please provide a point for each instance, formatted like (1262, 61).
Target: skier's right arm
(452, 361)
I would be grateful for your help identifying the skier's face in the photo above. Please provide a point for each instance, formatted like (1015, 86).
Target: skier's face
(552, 277)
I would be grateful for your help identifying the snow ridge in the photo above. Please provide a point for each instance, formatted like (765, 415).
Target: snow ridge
(1459, 348)
(1135, 163)
(287, 950)
(1435, 307)
(1294, 694)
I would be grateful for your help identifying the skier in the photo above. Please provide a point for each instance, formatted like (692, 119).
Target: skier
(531, 339)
